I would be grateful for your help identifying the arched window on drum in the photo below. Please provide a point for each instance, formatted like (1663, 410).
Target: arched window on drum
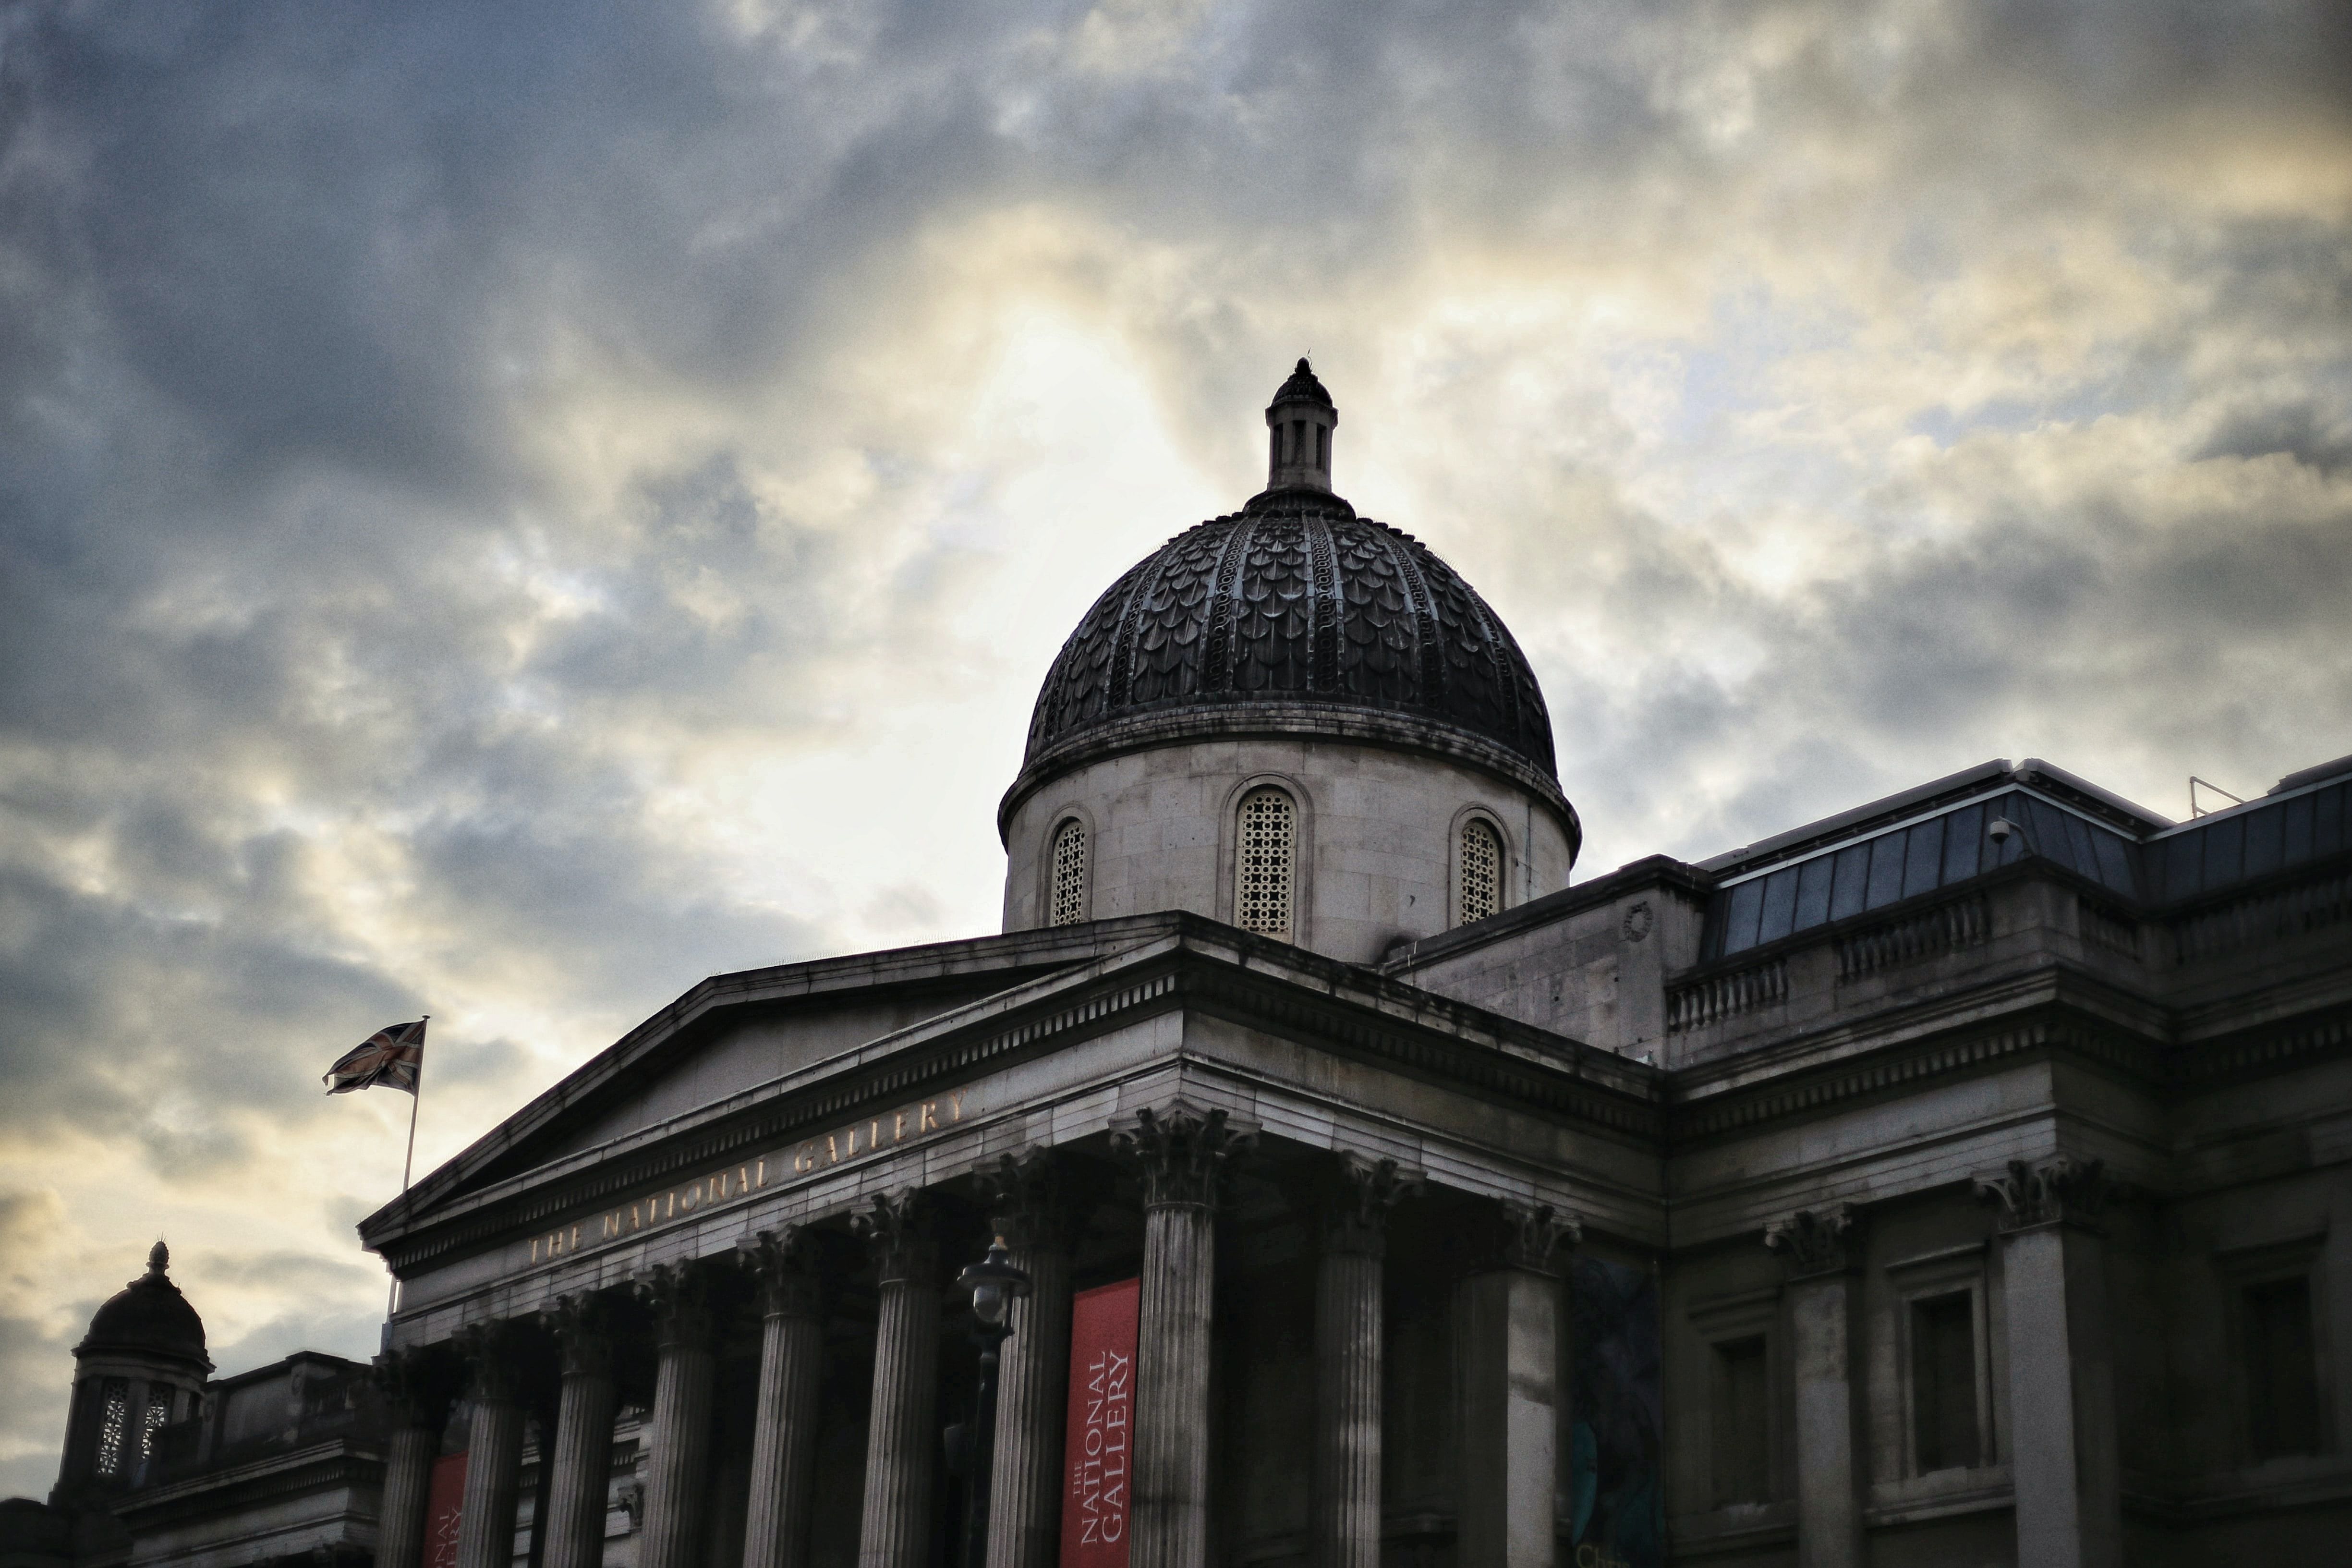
(1481, 861)
(1265, 863)
(1066, 897)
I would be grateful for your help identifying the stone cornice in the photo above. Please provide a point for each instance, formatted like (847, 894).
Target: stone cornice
(1196, 724)
(1015, 956)
(1200, 963)
(337, 1462)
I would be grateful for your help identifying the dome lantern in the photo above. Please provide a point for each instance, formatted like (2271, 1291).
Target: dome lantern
(1300, 423)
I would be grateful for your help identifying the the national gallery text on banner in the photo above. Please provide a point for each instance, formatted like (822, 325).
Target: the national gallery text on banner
(444, 1507)
(1102, 1423)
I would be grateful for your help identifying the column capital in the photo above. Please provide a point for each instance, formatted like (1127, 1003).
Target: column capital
(1818, 1241)
(678, 1295)
(1359, 1193)
(419, 1384)
(582, 1324)
(1028, 1200)
(1183, 1150)
(1532, 1235)
(2058, 1191)
(897, 1228)
(494, 1355)
(785, 1271)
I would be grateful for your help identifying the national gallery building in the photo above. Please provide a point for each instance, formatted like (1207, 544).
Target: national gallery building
(1963, 1179)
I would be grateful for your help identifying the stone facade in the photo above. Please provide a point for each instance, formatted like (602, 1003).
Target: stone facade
(2002, 1222)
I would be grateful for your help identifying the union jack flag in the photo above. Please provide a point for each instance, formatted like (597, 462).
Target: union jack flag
(393, 1057)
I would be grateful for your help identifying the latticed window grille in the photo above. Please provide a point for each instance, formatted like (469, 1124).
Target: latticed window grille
(1068, 900)
(159, 1411)
(1481, 871)
(1263, 870)
(113, 1425)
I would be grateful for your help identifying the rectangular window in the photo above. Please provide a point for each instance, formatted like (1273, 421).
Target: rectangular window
(1944, 1383)
(2281, 1373)
(1742, 1423)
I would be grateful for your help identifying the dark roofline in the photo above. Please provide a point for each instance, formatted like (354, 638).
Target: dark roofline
(2320, 774)
(1924, 799)
(1861, 819)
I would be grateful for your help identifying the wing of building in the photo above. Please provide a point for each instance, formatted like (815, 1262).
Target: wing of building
(1962, 1179)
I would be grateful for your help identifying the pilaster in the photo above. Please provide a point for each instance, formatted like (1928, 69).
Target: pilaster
(1512, 1395)
(2060, 1366)
(1822, 1248)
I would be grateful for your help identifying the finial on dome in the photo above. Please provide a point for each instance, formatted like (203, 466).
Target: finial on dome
(158, 1258)
(1300, 422)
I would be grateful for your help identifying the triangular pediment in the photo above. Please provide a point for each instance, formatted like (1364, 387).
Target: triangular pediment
(731, 1035)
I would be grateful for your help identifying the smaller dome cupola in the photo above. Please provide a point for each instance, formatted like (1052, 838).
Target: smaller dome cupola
(141, 1366)
(1300, 423)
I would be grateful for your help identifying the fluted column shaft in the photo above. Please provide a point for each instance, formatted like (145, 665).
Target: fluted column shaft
(679, 1433)
(1025, 1521)
(901, 1439)
(581, 1468)
(1183, 1152)
(1024, 1528)
(486, 1527)
(1171, 1387)
(1349, 1331)
(408, 1483)
(1351, 1337)
(784, 1430)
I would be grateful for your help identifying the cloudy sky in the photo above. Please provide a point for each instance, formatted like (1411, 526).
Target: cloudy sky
(505, 511)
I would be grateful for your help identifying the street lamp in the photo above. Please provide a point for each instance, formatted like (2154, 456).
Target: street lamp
(994, 1284)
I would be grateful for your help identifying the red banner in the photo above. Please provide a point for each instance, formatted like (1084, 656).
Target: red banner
(443, 1501)
(1102, 1416)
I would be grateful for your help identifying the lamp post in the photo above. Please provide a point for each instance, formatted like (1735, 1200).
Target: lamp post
(993, 1283)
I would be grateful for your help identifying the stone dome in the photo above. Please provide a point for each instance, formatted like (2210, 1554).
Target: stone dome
(1294, 600)
(148, 1316)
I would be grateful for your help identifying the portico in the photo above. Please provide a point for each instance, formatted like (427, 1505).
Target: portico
(1171, 1092)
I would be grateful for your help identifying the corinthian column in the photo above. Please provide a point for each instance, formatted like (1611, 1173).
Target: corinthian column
(1349, 1332)
(486, 1526)
(418, 1385)
(1026, 1489)
(1507, 1354)
(784, 1430)
(677, 1437)
(895, 1532)
(581, 1468)
(1822, 1249)
(1182, 1152)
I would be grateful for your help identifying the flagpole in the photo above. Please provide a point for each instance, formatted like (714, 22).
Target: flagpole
(407, 1163)
(408, 1160)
